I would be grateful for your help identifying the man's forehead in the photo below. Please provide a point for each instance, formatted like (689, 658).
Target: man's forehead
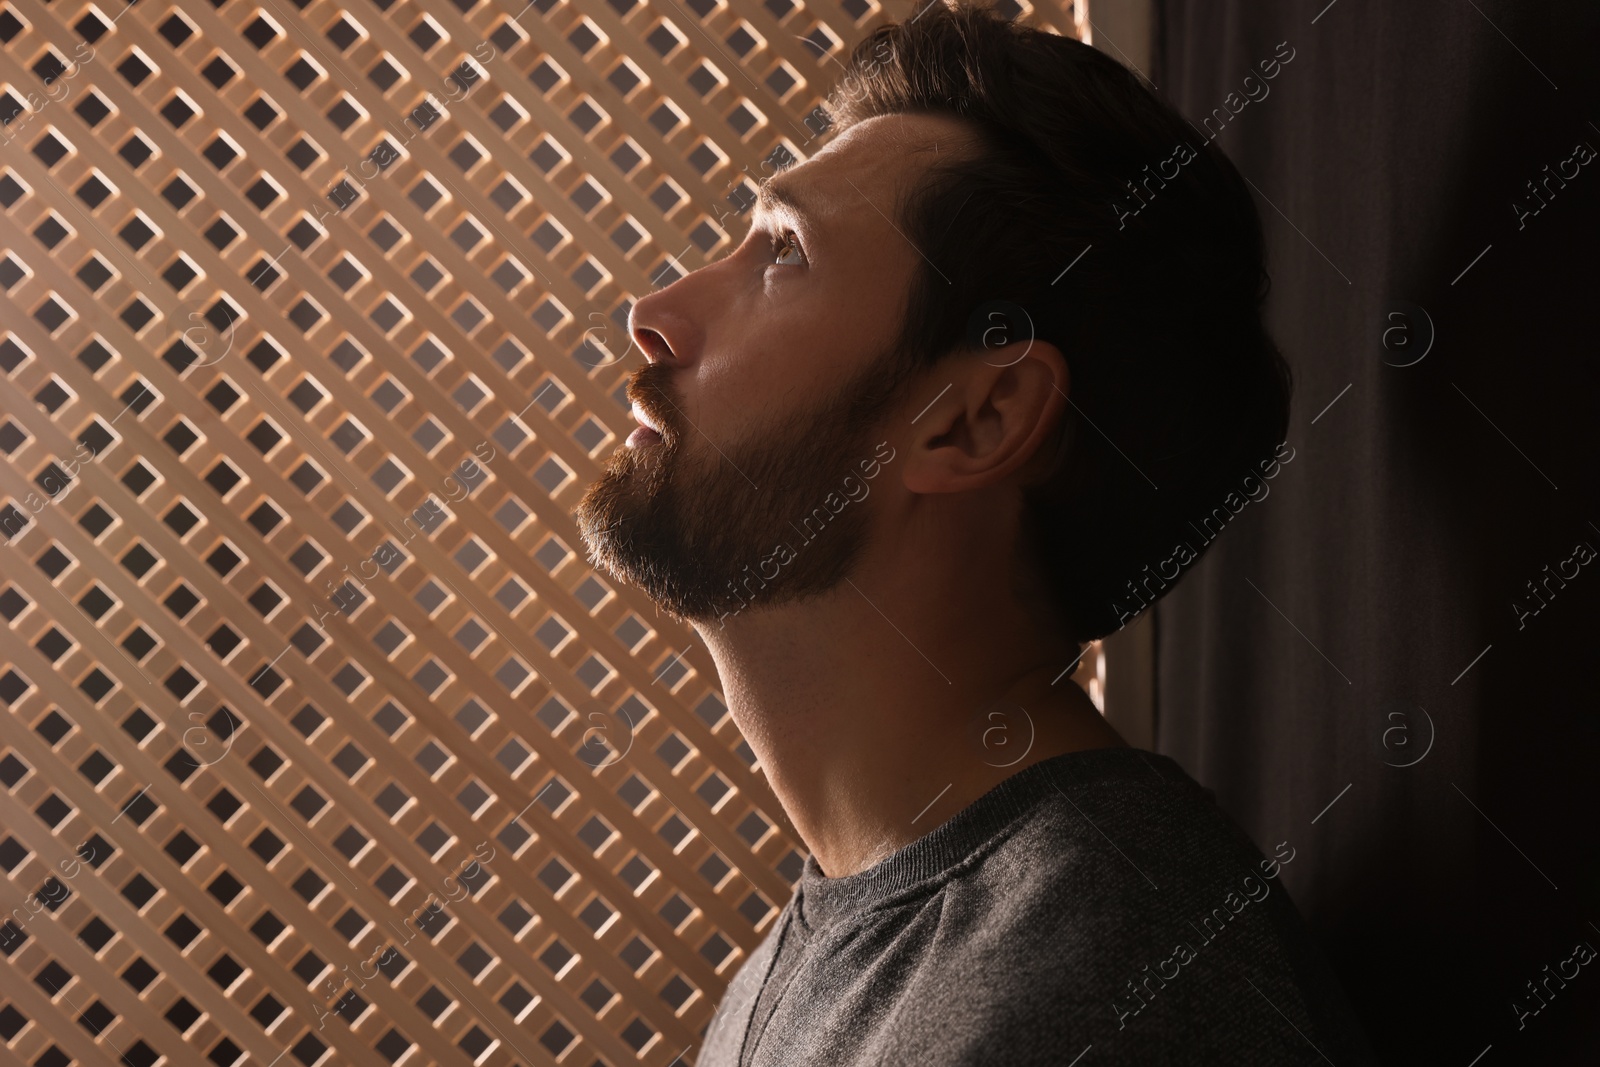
(899, 133)
(862, 168)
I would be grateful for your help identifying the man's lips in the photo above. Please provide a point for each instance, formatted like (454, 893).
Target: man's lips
(649, 431)
(644, 435)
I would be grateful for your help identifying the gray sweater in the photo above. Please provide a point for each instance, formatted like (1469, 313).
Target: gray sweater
(1094, 908)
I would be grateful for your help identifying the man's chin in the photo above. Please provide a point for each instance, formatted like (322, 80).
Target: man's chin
(620, 523)
(610, 513)
(619, 551)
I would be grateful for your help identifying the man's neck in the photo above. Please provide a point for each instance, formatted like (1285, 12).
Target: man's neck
(876, 720)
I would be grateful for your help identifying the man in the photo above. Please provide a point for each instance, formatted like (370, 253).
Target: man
(926, 430)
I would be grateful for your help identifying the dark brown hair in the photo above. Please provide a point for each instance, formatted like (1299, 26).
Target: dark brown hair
(1177, 392)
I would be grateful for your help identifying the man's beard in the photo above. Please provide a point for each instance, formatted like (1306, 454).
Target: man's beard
(697, 524)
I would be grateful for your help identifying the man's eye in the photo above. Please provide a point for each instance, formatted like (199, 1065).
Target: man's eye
(785, 243)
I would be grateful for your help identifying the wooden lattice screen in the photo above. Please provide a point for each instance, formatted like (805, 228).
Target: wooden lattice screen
(323, 743)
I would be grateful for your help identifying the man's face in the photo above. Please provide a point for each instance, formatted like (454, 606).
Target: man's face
(768, 383)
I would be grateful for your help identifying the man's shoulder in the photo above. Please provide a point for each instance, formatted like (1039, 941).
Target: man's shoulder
(1108, 864)
(1109, 903)
(1120, 829)
(1130, 911)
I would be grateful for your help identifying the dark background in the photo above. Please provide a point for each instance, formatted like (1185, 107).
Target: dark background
(1386, 157)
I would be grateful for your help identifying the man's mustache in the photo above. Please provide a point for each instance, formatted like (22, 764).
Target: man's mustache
(650, 387)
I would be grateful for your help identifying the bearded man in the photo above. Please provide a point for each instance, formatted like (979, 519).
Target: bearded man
(904, 450)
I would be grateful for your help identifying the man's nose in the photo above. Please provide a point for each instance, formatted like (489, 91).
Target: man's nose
(656, 348)
(667, 324)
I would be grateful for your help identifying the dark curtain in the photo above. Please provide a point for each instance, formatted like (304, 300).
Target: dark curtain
(1377, 601)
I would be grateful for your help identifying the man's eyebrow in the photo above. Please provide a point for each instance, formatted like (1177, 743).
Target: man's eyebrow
(775, 196)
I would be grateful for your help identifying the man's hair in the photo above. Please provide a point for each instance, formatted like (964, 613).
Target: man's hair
(1127, 240)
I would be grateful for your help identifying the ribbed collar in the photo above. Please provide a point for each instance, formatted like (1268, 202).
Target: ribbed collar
(821, 901)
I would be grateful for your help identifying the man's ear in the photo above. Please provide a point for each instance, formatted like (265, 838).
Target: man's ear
(1002, 407)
